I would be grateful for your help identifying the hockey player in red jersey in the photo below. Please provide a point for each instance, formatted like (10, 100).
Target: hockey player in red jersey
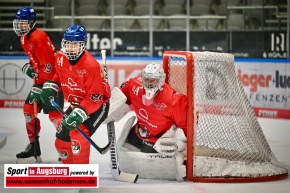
(81, 79)
(40, 50)
(156, 105)
(160, 126)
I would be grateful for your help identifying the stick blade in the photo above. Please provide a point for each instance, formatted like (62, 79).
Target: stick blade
(105, 149)
(125, 177)
(3, 142)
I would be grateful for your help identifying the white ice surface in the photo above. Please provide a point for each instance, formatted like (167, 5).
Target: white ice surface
(12, 124)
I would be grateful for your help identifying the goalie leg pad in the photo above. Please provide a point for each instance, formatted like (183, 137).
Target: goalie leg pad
(180, 167)
(125, 132)
(147, 165)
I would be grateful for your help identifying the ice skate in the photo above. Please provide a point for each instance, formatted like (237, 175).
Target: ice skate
(27, 156)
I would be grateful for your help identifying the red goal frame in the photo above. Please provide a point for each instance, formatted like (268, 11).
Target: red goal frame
(190, 128)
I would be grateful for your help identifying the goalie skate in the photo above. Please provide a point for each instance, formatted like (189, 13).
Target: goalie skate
(27, 156)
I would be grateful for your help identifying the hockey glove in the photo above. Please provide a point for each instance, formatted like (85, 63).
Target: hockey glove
(166, 146)
(171, 142)
(35, 94)
(49, 91)
(29, 71)
(76, 117)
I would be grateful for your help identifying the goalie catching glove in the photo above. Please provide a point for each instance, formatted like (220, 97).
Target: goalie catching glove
(166, 146)
(171, 141)
(29, 71)
(75, 118)
(49, 91)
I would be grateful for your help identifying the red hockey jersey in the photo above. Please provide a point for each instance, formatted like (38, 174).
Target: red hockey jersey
(82, 83)
(168, 108)
(40, 50)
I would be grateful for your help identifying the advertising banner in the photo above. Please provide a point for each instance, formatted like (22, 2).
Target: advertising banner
(266, 83)
(243, 44)
(51, 176)
(15, 85)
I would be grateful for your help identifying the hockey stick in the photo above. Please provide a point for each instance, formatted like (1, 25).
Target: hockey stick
(101, 150)
(3, 142)
(116, 173)
(35, 124)
(34, 107)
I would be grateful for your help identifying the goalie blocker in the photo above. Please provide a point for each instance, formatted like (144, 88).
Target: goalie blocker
(167, 164)
(118, 107)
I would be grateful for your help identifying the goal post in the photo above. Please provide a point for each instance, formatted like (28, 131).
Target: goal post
(225, 142)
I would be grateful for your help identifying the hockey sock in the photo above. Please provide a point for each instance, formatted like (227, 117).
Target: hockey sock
(55, 118)
(80, 146)
(29, 119)
(64, 150)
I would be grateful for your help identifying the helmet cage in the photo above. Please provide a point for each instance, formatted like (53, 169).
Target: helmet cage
(153, 78)
(74, 41)
(24, 20)
(22, 27)
(73, 49)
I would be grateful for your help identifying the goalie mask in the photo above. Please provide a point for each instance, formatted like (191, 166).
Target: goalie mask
(24, 21)
(74, 41)
(153, 78)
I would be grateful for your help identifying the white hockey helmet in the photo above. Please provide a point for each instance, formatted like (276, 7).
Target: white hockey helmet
(153, 78)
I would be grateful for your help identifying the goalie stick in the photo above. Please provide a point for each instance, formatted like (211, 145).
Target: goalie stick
(116, 173)
(3, 142)
(101, 150)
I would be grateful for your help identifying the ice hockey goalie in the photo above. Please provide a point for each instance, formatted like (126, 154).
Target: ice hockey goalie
(154, 145)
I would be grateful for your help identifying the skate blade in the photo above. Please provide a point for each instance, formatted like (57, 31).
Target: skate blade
(29, 160)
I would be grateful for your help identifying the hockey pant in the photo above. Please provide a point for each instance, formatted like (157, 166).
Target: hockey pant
(28, 110)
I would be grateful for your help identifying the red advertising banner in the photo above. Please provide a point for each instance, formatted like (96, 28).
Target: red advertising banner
(6, 103)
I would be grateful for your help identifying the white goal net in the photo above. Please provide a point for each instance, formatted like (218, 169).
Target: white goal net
(227, 141)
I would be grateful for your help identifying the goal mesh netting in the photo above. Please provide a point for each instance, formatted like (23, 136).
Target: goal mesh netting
(225, 139)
